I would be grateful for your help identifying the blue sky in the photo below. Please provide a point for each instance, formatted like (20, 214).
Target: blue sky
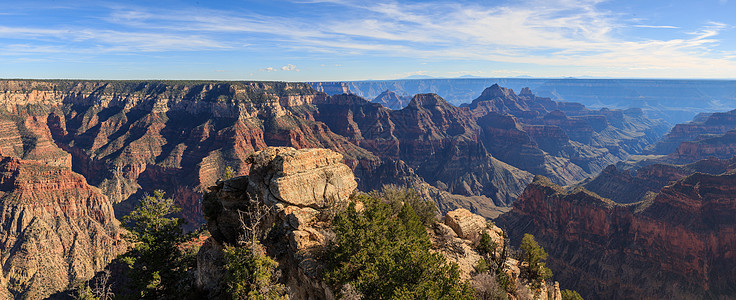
(321, 40)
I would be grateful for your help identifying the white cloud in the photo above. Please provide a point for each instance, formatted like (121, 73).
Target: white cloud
(289, 67)
(557, 33)
(286, 68)
(657, 26)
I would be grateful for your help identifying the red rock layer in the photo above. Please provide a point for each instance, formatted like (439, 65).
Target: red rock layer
(700, 128)
(677, 244)
(56, 230)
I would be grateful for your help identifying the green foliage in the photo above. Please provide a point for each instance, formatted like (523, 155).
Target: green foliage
(482, 266)
(385, 254)
(571, 295)
(84, 292)
(251, 276)
(229, 173)
(534, 256)
(486, 246)
(394, 196)
(158, 268)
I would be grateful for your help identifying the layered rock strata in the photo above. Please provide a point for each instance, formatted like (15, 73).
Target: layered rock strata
(677, 243)
(56, 229)
(132, 137)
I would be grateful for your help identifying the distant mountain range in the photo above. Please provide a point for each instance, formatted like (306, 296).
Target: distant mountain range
(675, 101)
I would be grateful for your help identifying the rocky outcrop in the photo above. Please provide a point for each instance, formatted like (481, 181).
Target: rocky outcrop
(456, 239)
(297, 190)
(673, 244)
(56, 230)
(302, 229)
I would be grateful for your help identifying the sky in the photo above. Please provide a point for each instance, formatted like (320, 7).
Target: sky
(339, 40)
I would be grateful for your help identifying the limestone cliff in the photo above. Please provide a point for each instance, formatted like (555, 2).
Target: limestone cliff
(56, 230)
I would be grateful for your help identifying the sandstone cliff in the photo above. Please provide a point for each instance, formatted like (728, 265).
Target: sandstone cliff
(674, 244)
(56, 230)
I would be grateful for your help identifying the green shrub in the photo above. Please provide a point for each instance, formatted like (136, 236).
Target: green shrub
(251, 276)
(385, 255)
(534, 255)
(394, 196)
(571, 295)
(158, 268)
(486, 246)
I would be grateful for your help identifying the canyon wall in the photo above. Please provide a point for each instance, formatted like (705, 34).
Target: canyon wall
(676, 243)
(56, 230)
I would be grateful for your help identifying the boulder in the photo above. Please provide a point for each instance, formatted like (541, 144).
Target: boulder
(465, 223)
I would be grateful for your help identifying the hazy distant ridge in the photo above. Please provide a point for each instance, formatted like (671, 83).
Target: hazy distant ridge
(675, 101)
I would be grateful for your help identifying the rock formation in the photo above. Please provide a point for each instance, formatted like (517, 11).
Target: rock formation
(56, 230)
(676, 243)
(700, 128)
(300, 191)
(675, 101)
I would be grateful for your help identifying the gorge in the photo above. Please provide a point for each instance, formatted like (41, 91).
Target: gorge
(559, 170)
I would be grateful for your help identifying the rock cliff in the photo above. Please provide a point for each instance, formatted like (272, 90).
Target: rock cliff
(676, 243)
(56, 230)
(700, 128)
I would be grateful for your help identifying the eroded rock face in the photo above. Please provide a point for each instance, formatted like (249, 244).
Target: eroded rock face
(301, 188)
(700, 128)
(55, 229)
(306, 178)
(302, 227)
(675, 244)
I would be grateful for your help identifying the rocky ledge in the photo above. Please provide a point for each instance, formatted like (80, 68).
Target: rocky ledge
(299, 191)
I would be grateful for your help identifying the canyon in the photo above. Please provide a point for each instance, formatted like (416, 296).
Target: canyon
(655, 226)
(132, 137)
(123, 139)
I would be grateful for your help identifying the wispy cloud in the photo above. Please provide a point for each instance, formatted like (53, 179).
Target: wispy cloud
(286, 68)
(657, 26)
(541, 32)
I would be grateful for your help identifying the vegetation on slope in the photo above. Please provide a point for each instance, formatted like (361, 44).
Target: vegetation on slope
(383, 251)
